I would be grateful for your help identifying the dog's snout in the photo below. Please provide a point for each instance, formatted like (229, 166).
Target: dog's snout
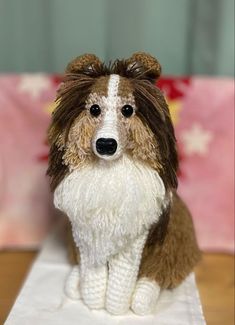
(106, 146)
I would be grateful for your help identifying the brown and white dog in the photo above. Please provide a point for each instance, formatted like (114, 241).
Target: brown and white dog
(113, 165)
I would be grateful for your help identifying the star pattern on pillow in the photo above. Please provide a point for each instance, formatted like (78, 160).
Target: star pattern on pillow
(34, 85)
(196, 140)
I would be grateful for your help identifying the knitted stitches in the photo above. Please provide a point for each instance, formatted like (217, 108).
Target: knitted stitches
(86, 60)
(108, 127)
(71, 288)
(114, 286)
(148, 61)
(110, 227)
(113, 87)
(123, 271)
(145, 297)
(93, 283)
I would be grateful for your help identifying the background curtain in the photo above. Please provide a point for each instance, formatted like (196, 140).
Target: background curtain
(187, 36)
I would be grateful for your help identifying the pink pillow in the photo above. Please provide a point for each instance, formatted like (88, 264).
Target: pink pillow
(25, 200)
(202, 111)
(203, 114)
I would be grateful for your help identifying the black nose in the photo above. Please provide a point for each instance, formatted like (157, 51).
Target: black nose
(106, 146)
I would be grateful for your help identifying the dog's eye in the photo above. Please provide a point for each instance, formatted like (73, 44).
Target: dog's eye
(127, 110)
(95, 110)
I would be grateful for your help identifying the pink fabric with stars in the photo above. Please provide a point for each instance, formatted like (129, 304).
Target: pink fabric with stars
(202, 112)
(25, 202)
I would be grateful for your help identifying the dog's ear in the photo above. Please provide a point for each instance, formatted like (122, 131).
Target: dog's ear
(83, 63)
(146, 65)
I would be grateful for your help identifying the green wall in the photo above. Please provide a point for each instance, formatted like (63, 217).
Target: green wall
(187, 36)
(158, 27)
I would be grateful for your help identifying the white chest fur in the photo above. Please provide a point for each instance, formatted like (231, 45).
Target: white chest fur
(109, 205)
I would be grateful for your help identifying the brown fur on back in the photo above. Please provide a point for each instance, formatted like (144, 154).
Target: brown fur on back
(170, 262)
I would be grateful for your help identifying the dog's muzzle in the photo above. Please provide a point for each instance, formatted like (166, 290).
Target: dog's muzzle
(106, 146)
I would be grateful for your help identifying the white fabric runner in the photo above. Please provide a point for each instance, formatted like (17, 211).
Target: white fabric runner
(42, 302)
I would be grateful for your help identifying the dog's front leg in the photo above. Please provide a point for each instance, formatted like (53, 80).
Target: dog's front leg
(93, 284)
(123, 272)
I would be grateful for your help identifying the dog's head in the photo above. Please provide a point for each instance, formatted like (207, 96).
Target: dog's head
(106, 111)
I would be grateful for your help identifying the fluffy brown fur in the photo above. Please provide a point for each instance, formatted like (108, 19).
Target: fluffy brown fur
(171, 250)
(142, 144)
(78, 147)
(170, 262)
(155, 114)
(71, 102)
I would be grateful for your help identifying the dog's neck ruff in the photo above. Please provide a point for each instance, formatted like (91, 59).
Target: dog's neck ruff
(110, 204)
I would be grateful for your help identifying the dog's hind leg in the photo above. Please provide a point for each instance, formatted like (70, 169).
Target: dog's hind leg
(71, 288)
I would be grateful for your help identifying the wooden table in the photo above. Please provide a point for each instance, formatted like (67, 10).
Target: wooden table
(215, 278)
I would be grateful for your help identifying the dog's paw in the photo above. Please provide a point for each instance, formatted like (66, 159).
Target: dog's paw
(117, 302)
(145, 297)
(71, 288)
(93, 287)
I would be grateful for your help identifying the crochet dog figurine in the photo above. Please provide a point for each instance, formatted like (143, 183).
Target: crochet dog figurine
(112, 165)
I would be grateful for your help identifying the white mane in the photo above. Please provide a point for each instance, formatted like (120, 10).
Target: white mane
(109, 204)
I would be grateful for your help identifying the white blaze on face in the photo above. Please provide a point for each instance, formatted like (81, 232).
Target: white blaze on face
(109, 127)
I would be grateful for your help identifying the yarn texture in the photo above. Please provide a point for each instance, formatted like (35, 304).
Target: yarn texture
(110, 205)
(113, 169)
